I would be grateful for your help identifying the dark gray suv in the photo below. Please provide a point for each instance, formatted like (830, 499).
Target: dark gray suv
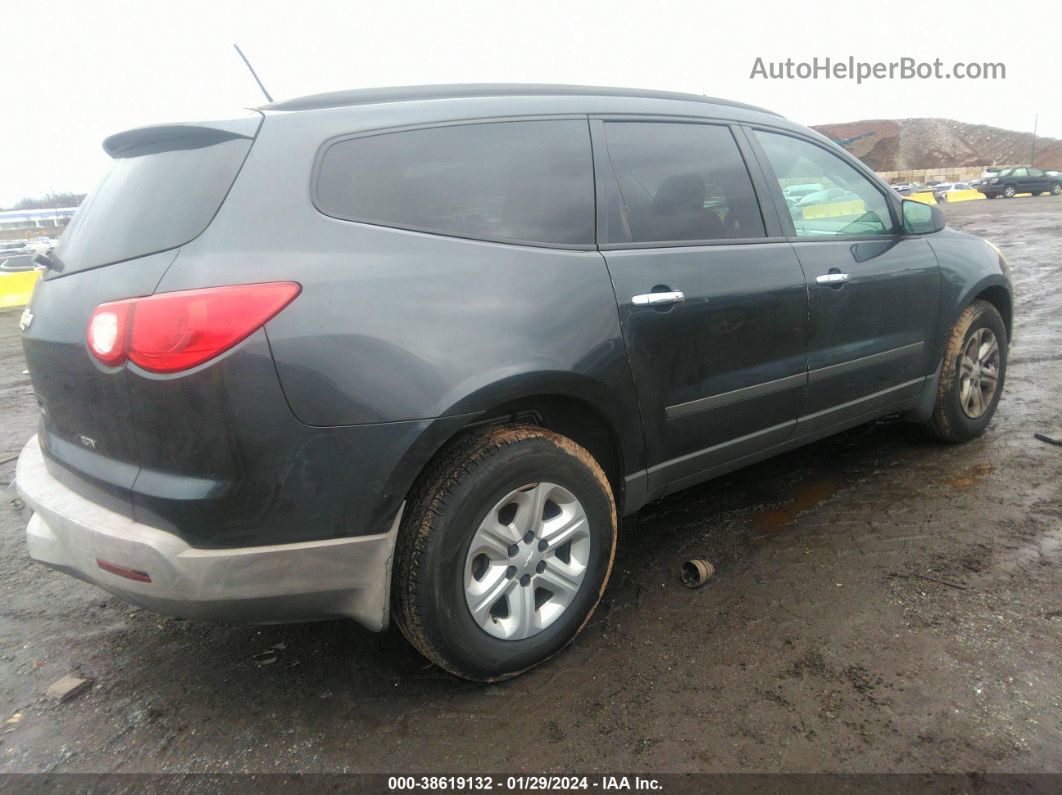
(408, 354)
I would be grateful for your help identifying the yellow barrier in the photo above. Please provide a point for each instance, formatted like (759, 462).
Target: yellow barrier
(16, 287)
(926, 197)
(835, 210)
(963, 196)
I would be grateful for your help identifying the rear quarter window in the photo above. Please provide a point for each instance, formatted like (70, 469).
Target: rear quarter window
(522, 182)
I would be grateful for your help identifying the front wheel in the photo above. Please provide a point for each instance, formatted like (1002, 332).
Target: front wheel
(1009, 191)
(972, 375)
(1056, 189)
(504, 551)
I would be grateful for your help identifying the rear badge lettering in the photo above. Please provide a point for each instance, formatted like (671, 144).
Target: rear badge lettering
(90, 443)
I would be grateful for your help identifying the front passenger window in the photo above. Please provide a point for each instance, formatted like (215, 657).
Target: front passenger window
(825, 195)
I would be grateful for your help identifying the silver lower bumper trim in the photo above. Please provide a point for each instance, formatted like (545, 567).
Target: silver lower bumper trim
(343, 577)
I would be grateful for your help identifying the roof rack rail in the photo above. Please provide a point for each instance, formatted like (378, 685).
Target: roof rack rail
(370, 96)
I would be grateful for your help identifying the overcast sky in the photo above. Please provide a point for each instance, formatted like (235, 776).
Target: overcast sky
(78, 71)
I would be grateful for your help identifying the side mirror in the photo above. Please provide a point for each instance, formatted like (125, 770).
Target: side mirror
(921, 219)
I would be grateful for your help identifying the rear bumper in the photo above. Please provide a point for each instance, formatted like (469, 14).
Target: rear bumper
(346, 577)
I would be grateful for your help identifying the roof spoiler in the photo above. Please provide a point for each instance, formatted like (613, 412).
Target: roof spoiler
(166, 137)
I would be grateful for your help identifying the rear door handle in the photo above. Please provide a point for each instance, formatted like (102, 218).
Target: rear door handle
(656, 299)
(832, 278)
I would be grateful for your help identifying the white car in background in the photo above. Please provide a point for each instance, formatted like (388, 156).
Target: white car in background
(42, 245)
(831, 195)
(942, 190)
(794, 193)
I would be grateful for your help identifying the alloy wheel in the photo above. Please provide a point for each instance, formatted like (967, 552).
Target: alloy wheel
(978, 373)
(526, 561)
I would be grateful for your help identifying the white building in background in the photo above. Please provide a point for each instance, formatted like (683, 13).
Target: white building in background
(36, 219)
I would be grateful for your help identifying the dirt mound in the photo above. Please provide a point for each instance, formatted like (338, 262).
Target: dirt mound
(905, 144)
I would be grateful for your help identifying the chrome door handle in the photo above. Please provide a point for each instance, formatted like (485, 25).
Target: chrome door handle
(832, 278)
(656, 299)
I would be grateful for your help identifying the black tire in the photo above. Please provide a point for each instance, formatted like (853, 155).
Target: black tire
(1009, 192)
(442, 515)
(949, 421)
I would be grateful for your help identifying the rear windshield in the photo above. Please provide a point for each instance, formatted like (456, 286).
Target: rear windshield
(153, 198)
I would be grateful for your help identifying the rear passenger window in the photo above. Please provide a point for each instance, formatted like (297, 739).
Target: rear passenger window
(528, 181)
(841, 201)
(680, 183)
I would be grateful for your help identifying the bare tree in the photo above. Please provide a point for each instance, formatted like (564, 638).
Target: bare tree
(48, 201)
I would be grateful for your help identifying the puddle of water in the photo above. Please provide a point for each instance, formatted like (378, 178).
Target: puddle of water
(805, 498)
(971, 476)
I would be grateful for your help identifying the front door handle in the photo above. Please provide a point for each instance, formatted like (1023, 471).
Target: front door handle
(656, 299)
(832, 278)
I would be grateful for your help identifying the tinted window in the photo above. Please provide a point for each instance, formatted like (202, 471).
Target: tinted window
(1035, 172)
(847, 204)
(680, 183)
(151, 200)
(523, 181)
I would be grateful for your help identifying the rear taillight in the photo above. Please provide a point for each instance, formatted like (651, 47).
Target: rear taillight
(107, 332)
(168, 332)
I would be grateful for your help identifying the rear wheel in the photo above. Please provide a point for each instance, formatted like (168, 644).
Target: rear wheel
(972, 375)
(504, 551)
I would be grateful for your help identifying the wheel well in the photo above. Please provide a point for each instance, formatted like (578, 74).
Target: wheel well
(570, 417)
(1000, 299)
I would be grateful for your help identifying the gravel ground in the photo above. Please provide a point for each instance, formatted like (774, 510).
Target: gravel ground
(881, 603)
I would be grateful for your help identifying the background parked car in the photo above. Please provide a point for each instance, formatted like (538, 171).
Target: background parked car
(828, 196)
(990, 173)
(1023, 179)
(13, 248)
(942, 190)
(794, 193)
(41, 245)
(16, 263)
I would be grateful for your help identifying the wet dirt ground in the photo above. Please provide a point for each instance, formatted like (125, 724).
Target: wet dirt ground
(881, 603)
